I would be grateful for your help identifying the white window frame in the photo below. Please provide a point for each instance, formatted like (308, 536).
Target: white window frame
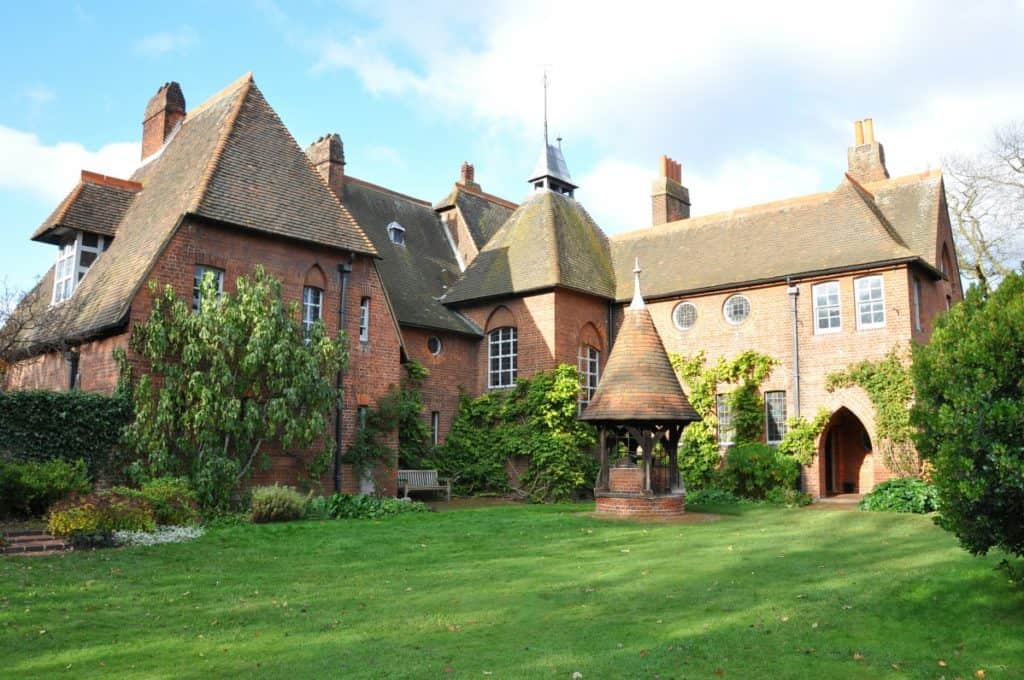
(726, 305)
(435, 427)
(69, 270)
(675, 315)
(872, 304)
(588, 361)
(817, 290)
(780, 426)
(364, 319)
(396, 234)
(727, 431)
(312, 307)
(917, 303)
(438, 344)
(502, 346)
(197, 278)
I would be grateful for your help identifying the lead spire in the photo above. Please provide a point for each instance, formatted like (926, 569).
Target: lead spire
(545, 107)
(638, 299)
(551, 172)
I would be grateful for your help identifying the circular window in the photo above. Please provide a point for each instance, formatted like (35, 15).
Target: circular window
(684, 316)
(434, 345)
(736, 309)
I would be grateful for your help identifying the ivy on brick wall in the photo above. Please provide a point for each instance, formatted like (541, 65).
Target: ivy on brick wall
(890, 387)
(43, 425)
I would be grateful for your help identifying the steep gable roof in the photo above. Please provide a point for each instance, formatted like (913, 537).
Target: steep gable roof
(93, 205)
(483, 213)
(549, 241)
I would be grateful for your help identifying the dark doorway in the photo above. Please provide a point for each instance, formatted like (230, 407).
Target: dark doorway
(845, 445)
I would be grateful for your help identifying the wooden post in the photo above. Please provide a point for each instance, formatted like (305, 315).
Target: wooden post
(675, 484)
(602, 475)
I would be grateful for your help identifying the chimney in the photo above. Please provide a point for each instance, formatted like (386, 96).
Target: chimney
(670, 200)
(866, 156)
(466, 177)
(327, 155)
(164, 112)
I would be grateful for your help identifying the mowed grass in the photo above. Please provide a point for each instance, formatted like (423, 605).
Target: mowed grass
(522, 592)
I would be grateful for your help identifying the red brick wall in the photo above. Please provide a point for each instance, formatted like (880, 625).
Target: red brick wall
(454, 369)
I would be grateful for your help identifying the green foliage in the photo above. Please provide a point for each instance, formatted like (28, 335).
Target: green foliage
(345, 506)
(802, 435)
(174, 502)
(890, 387)
(903, 494)
(29, 488)
(536, 421)
(712, 496)
(100, 513)
(969, 414)
(787, 496)
(224, 382)
(41, 425)
(752, 469)
(316, 508)
(276, 504)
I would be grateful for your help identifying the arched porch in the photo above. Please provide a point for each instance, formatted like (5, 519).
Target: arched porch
(845, 458)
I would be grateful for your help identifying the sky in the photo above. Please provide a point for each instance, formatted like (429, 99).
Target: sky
(756, 100)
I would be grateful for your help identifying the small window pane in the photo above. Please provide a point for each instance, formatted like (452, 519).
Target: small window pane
(502, 357)
(775, 416)
(827, 316)
(726, 430)
(684, 316)
(588, 363)
(736, 309)
(870, 302)
(434, 345)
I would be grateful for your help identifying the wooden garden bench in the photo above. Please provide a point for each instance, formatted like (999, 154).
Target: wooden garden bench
(423, 480)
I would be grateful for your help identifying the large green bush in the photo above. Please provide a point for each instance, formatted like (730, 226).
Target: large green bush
(276, 504)
(345, 506)
(969, 414)
(41, 425)
(753, 469)
(100, 513)
(171, 498)
(903, 494)
(29, 488)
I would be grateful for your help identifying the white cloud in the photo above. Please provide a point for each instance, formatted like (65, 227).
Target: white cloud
(39, 95)
(165, 42)
(385, 155)
(50, 172)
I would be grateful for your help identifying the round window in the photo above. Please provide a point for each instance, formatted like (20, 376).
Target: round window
(736, 309)
(434, 345)
(684, 316)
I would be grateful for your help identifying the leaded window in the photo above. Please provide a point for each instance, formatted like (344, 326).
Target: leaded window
(200, 272)
(870, 302)
(364, 320)
(736, 309)
(827, 315)
(588, 362)
(502, 357)
(312, 307)
(775, 416)
(684, 316)
(726, 429)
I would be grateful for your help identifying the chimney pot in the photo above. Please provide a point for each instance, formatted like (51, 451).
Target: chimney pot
(467, 176)
(327, 154)
(869, 131)
(164, 111)
(670, 200)
(866, 157)
(858, 132)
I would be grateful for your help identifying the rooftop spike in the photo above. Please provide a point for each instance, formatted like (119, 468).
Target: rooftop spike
(638, 299)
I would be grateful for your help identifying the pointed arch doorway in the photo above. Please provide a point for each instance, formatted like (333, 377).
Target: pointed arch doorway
(847, 463)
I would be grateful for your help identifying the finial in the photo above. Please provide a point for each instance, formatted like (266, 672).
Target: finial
(638, 299)
(545, 108)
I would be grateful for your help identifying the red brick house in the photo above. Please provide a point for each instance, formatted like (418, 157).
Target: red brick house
(482, 290)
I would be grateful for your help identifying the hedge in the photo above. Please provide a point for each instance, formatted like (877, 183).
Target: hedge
(41, 425)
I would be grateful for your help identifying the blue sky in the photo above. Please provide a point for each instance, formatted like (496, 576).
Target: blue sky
(755, 100)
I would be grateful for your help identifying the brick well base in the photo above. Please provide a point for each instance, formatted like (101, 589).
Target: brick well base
(640, 506)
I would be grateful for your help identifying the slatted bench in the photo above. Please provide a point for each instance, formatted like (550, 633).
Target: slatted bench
(423, 480)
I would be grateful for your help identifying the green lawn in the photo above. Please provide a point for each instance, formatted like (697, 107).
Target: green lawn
(522, 592)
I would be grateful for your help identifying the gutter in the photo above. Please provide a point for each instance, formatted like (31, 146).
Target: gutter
(344, 269)
(794, 293)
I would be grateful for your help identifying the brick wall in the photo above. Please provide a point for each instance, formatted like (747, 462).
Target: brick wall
(454, 369)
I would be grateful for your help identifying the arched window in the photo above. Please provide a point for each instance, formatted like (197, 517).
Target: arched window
(312, 307)
(589, 364)
(502, 357)
(396, 232)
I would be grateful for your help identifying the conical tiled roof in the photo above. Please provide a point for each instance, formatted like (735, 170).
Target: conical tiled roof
(639, 384)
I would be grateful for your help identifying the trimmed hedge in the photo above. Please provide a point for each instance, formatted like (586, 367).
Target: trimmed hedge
(41, 425)
(28, 489)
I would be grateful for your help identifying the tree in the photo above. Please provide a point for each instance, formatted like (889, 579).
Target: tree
(969, 415)
(985, 192)
(21, 314)
(225, 382)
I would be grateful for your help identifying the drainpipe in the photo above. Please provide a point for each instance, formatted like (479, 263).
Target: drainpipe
(343, 271)
(611, 325)
(794, 293)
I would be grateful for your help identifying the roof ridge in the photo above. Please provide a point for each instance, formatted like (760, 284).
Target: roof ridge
(487, 197)
(220, 94)
(99, 179)
(550, 211)
(869, 200)
(930, 173)
(65, 206)
(378, 187)
(218, 151)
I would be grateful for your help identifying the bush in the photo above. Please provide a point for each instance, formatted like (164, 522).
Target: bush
(905, 494)
(173, 501)
(712, 496)
(166, 534)
(276, 504)
(100, 513)
(787, 496)
(316, 508)
(753, 469)
(345, 506)
(30, 488)
(40, 425)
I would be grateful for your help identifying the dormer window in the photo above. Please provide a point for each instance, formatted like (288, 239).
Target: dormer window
(396, 232)
(76, 255)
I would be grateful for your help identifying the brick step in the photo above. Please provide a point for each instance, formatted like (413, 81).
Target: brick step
(22, 532)
(32, 542)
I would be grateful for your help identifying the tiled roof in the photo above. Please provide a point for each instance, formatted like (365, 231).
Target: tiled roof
(639, 384)
(549, 241)
(484, 214)
(92, 207)
(853, 225)
(417, 273)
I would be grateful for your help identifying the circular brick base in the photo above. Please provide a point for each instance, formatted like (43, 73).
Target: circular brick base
(639, 506)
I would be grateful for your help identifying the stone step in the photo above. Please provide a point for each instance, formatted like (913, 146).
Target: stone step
(32, 542)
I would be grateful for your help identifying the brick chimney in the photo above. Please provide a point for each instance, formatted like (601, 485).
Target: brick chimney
(466, 177)
(165, 110)
(327, 155)
(670, 200)
(866, 156)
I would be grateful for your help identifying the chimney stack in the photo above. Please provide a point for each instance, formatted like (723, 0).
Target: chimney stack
(866, 157)
(670, 200)
(327, 155)
(164, 112)
(466, 177)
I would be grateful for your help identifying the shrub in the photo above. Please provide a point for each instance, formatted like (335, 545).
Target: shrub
(276, 504)
(345, 506)
(712, 496)
(100, 513)
(316, 508)
(173, 501)
(905, 494)
(29, 488)
(752, 469)
(787, 496)
(166, 534)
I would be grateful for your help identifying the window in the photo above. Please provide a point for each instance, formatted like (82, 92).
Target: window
(434, 345)
(588, 362)
(201, 271)
(396, 232)
(726, 430)
(736, 309)
(74, 258)
(775, 416)
(312, 307)
(870, 302)
(364, 320)
(827, 318)
(684, 316)
(917, 303)
(361, 413)
(435, 427)
(502, 351)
